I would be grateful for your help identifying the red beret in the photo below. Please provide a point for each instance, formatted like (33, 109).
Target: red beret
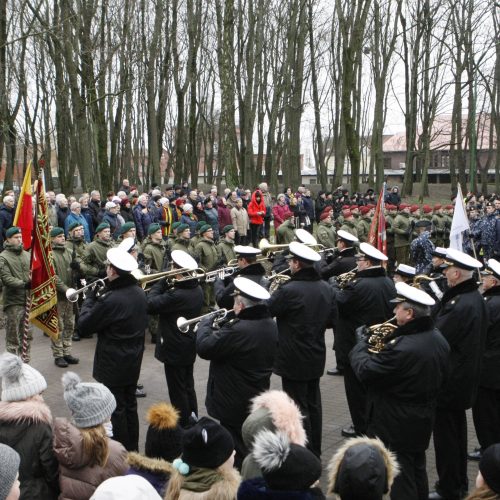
(403, 206)
(364, 210)
(327, 210)
(324, 215)
(437, 206)
(370, 206)
(347, 213)
(413, 208)
(448, 207)
(179, 202)
(346, 207)
(354, 206)
(427, 209)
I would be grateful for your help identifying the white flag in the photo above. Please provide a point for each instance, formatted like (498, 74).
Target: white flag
(460, 222)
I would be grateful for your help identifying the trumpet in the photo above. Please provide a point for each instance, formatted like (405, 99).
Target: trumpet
(277, 279)
(186, 272)
(72, 295)
(210, 276)
(266, 248)
(378, 334)
(183, 324)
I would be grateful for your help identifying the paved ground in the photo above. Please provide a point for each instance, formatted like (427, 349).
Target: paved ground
(335, 410)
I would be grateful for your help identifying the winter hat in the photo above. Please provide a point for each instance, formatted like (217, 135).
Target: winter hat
(153, 228)
(164, 436)
(124, 201)
(489, 466)
(90, 403)
(207, 444)
(284, 465)
(362, 469)
(12, 231)
(19, 380)
(179, 202)
(131, 487)
(109, 205)
(187, 207)
(9, 467)
(56, 231)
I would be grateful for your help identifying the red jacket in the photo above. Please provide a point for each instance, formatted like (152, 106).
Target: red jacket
(254, 207)
(279, 212)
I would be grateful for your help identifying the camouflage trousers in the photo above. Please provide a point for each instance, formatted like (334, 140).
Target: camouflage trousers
(153, 323)
(208, 297)
(14, 329)
(62, 346)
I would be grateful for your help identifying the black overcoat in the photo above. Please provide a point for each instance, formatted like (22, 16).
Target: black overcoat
(490, 370)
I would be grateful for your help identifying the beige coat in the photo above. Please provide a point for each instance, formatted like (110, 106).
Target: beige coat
(240, 221)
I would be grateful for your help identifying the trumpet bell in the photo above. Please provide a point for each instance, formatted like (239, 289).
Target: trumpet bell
(183, 323)
(71, 294)
(264, 244)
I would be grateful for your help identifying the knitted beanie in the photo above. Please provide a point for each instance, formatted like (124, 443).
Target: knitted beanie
(131, 487)
(9, 467)
(19, 380)
(490, 467)
(164, 436)
(90, 403)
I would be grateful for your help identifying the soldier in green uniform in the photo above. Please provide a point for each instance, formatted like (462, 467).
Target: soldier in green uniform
(448, 218)
(172, 237)
(225, 248)
(438, 224)
(402, 234)
(95, 253)
(128, 230)
(414, 218)
(286, 232)
(391, 212)
(182, 242)
(364, 223)
(197, 237)
(348, 224)
(326, 234)
(15, 275)
(62, 255)
(206, 255)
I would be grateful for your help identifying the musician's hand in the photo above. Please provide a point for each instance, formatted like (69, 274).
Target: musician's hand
(221, 274)
(362, 334)
(74, 265)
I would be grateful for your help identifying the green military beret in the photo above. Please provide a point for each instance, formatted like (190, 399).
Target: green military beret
(227, 228)
(127, 227)
(205, 228)
(12, 231)
(200, 224)
(56, 231)
(101, 227)
(74, 225)
(176, 225)
(181, 228)
(153, 228)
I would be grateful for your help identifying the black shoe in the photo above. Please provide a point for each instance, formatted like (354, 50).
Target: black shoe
(71, 360)
(140, 393)
(434, 495)
(334, 371)
(475, 455)
(76, 337)
(349, 432)
(61, 363)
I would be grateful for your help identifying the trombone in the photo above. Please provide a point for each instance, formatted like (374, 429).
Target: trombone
(73, 295)
(183, 324)
(186, 272)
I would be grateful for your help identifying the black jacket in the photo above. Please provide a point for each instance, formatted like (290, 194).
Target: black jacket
(241, 355)
(463, 320)
(6, 219)
(490, 370)
(225, 288)
(403, 382)
(186, 299)
(364, 301)
(343, 263)
(303, 308)
(119, 316)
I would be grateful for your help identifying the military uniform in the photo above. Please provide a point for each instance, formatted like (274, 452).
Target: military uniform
(94, 258)
(325, 234)
(487, 240)
(154, 254)
(183, 244)
(15, 274)
(402, 237)
(286, 232)
(363, 226)
(350, 227)
(206, 255)
(438, 224)
(225, 250)
(421, 252)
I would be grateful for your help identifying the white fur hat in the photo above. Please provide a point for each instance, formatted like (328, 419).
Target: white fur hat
(19, 380)
(131, 487)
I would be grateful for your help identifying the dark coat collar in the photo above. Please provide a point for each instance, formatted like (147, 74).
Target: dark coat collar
(256, 269)
(260, 311)
(492, 291)
(464, 287)
(121, 282)
(187, 284)
(418, 325)
(347, 252)
(306, 274)
(371, 272)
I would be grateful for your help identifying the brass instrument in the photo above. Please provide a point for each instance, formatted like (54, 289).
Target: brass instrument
(277, 279)
(378, 333)
(345, 278)
(328, 252)
(72, 295)
(260, 258)
(183, 324)
(266, 248)
(210, 276)
(422, 278)
(186, 272)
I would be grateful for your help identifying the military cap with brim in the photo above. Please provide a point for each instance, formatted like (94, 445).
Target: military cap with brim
(127, 244)
(121, 259)
(183, 260)
(439, 252)
(227, 228)
(460, 259)
(12, 231)
(205, 228)
(423, 223)
(56, 231)
(305, 237)
(127, 227)
(101, 227)
(405, 270)
(492, 268)
(346, 236)
(407, 293)
(246, 251)
(74, 225)
(367, 250)
(181, 228)
(302, 252)
(153, 228)
(250, 289)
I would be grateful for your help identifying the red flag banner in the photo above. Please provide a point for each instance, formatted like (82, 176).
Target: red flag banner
(24, 211)
(377, 235)
(43, 311)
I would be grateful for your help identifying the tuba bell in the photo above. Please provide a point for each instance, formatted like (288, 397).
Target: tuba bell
(344, 279)
(378, 334)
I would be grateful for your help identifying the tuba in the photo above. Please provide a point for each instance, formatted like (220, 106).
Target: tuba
(423, 278)
(344, 279)
(378, 334)
(278, 279)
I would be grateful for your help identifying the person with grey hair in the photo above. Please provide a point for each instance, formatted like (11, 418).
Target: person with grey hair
(76, 216)
(403, 376)
(6, 217)
(62, 209)
(463, 319)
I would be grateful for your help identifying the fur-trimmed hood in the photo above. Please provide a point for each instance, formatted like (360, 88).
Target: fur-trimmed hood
(391, 467)
(32, 410)
(154, 465)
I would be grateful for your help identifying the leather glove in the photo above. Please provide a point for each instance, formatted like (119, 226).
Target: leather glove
(362, 334)
(74, 265)
(27, 285)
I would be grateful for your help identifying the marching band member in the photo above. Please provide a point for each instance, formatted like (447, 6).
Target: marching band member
(303, 308)
(241, 354)
(118, 313)
(343, 260)
(403, 381)
(176, 350)
(404, 274)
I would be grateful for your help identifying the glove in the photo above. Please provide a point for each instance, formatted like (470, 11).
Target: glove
(362, 334)
(27, 285)
(75, 265)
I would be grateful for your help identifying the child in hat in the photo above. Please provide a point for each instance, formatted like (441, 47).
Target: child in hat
(488, 476)
(26, 426)
(87, 456)
(205, 470)
(9, 473)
